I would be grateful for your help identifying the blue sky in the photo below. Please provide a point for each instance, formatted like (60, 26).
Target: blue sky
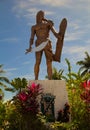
(16, 19)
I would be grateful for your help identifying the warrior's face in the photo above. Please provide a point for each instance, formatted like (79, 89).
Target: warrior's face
(39, 16)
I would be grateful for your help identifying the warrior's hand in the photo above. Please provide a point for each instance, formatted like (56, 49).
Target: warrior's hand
(50, 22)
(59, 36)
(28, 50)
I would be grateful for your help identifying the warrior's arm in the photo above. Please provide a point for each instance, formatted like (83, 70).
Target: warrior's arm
(51, 25)
(54, 32)
(31, 39)
(57, 35)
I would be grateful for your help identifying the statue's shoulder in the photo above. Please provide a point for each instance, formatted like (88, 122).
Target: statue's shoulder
(33, 27)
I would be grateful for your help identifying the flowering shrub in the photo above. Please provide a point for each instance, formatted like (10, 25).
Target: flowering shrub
(85, 95)
(86, 91)
(64, 115)
(86, 85)
(26, 100)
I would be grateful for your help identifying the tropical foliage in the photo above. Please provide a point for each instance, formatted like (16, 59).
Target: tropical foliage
(17, 85)
(56, 74)
(22, 112)
(26, 100)
(4, 81)
(85, 64)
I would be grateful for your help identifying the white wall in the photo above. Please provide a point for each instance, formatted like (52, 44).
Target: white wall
(57, 88)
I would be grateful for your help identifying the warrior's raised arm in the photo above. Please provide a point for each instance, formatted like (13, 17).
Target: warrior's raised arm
(50, 22)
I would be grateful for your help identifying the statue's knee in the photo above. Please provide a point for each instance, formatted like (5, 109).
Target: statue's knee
(37, 63)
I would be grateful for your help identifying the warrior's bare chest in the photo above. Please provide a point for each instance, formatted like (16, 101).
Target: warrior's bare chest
(41, 27)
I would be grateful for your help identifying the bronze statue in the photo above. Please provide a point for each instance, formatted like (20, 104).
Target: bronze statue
(43, 43)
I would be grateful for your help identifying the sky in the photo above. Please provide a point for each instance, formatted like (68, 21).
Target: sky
(16, 20)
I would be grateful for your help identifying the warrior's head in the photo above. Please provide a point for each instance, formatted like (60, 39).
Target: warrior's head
(39, 16)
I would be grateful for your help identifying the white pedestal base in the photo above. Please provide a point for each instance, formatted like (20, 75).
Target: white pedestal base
(57, 88)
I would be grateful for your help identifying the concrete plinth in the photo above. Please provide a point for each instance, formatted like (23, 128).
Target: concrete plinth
(57, 88)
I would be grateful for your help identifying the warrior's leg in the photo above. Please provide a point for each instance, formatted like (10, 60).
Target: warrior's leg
(49, 58)
(37, 64)
(49, 69)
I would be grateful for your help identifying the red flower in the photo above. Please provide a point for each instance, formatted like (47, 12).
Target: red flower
(28, 98)
(22, 96)
(86, 85)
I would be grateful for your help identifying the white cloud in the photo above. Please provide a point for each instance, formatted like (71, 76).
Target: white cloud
(27, 4)
(27, 76)
(76, 51)
(75, 25)
(76, 30)
(55, 2)
(29, 8)
(9, 40)
(10, 72)
(26, 63)
(88, 41)
(28, 11)
(77, 4)
(11, 69)
(75, 35)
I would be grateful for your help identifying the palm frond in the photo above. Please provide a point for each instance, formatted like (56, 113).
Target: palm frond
(3, 85)
(87, 55)
(84, 72)
(1, 70)
(10, 89)
(1, 65)
(85, 64)
(5, 79)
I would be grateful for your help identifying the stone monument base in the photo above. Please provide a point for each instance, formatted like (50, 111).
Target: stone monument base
(56, 88)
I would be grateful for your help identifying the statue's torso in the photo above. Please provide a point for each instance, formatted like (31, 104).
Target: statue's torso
(42, 32)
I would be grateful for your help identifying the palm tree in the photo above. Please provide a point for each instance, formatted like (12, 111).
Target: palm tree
(72, 77)
(17, 84)
(3, 80)
(85, 64)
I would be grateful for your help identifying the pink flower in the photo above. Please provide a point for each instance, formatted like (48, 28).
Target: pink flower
(22, 96)
(28, 98)
(86, 85)
(32, 87)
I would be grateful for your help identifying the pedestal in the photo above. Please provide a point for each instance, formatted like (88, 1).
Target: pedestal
(56, 88)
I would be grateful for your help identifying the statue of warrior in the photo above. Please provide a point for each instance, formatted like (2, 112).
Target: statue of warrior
(42, 30)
